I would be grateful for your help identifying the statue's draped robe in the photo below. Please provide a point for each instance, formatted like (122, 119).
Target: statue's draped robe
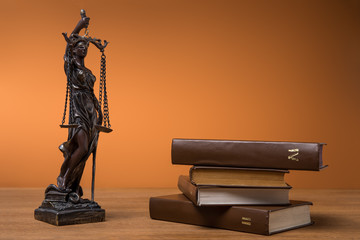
(83, 106)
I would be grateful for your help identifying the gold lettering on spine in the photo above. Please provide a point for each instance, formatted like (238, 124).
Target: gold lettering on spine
(294, 152)
(246, 223)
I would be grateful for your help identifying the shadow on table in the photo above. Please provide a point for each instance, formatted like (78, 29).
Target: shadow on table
(331, 221)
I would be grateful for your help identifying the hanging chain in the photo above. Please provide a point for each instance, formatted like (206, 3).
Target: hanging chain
(102, 74)
(66, 100)
(71, 110)
(102, 90)
(68, 89)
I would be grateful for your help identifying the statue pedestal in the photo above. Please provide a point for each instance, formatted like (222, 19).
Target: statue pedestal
(66, 213)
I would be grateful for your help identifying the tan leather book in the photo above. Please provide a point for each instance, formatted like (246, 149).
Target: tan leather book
(265, 220)
(252, 154)
(213, 195)
(237, 177)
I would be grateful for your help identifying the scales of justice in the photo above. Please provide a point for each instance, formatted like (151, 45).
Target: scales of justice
(87, 117)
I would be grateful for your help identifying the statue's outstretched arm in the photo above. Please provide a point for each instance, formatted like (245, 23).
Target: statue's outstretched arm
(83, 22)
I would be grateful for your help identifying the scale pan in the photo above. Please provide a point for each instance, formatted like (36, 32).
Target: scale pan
(103, 129)
(69, 125)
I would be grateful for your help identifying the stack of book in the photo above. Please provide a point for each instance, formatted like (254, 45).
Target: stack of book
(238, 185)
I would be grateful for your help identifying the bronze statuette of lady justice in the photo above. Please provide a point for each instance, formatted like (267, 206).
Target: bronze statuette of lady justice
(88, 116)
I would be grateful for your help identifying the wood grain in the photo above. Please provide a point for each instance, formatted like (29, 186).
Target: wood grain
(336, 214)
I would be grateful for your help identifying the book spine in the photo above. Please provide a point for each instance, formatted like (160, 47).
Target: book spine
(189, 190)
(254, 154)
(191, 172)
(238, 219)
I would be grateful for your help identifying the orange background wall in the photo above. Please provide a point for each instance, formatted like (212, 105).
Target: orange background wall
(247, 70)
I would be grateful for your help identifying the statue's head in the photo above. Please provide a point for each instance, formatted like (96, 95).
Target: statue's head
(80, 48)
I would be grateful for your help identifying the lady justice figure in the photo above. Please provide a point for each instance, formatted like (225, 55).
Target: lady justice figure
(85, 115)
(63, 204)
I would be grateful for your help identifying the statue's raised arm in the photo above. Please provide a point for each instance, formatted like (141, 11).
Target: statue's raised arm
(83, 22)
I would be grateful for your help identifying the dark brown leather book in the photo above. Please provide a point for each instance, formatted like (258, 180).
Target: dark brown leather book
(253, 154)
(237, 177)
(265, 220)
(213, 195)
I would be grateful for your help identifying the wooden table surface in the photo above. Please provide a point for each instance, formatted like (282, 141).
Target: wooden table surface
(336, 214)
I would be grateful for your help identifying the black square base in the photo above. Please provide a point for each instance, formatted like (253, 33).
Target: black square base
(68, 217)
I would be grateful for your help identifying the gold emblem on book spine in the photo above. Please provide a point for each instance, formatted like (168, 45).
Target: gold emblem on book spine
(294, 152)
(246, 223)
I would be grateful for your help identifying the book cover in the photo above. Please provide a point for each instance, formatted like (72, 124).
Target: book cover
(253, 154)
(265, 220)
(213, 195)
(237, 177)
